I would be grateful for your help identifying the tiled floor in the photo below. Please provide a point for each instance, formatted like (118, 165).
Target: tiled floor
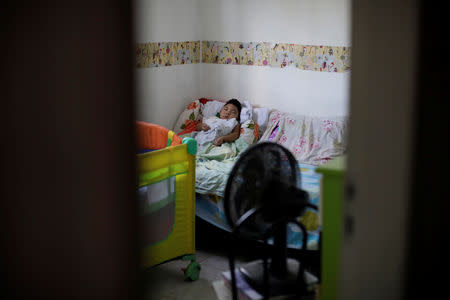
(166, 281)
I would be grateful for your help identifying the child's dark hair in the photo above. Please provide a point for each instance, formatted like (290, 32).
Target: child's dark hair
(238, 105)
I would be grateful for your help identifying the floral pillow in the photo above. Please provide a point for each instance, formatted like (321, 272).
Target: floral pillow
(249, 132)
(188, 117)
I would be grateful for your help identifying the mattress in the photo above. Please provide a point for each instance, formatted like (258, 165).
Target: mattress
(209, 207)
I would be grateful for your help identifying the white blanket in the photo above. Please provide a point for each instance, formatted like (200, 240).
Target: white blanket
(218, 127)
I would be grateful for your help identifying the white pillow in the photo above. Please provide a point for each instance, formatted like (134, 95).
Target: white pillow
(211, 108)
(246, 111)
(261, 116)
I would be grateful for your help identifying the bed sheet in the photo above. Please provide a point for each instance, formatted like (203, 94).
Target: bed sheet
(213, 165)
(209, 207)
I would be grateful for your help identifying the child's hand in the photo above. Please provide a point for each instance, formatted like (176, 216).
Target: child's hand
(203, 127)
(218, 141)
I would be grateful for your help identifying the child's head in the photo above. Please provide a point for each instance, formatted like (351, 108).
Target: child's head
(231, 109)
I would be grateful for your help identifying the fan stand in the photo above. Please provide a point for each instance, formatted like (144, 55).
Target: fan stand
(282, 272)
(279, 276)
(278, 285)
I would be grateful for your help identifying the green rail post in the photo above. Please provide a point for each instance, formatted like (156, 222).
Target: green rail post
(331, 205)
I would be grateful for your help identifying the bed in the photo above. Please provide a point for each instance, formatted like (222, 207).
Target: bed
(209, 207)
(312, 140)
(166, 176)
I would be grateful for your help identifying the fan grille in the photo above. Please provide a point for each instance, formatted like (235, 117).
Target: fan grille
(250, 182)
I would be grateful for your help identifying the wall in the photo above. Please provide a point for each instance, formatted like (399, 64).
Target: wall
(290, 90)
(162, 92)
(310, 22)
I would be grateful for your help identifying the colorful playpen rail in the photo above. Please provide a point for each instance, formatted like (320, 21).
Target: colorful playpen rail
(166, 176)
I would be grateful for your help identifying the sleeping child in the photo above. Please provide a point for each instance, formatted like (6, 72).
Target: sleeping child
(222, 129)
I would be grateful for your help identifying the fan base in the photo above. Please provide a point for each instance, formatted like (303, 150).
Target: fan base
(285, 285)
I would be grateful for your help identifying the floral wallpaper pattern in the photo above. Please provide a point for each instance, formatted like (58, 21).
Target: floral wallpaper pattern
(265, 54)
(162, 54)
(236, 53)
(278, 55)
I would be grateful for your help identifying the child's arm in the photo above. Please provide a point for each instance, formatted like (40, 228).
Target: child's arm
(229, 138)
(202, 126)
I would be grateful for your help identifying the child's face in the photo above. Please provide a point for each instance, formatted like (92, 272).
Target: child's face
(229, 111)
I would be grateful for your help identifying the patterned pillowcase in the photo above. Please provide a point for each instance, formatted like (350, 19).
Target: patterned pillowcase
(190, 115)
(250, 132)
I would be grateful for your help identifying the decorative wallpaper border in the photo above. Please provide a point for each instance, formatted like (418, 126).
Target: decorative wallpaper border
(163, 54)
(278, 55)
(264, 54)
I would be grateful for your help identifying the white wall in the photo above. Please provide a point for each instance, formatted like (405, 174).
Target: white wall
(308, 22)
(167, 20)
(313, 22)
(162, 93)
(289, 89)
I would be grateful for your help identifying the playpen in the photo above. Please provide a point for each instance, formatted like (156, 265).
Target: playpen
(166, 179)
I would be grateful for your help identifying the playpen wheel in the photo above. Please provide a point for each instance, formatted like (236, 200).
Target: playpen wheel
(192, 271)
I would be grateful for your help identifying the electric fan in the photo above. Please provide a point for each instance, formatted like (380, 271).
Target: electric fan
(261, 198)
